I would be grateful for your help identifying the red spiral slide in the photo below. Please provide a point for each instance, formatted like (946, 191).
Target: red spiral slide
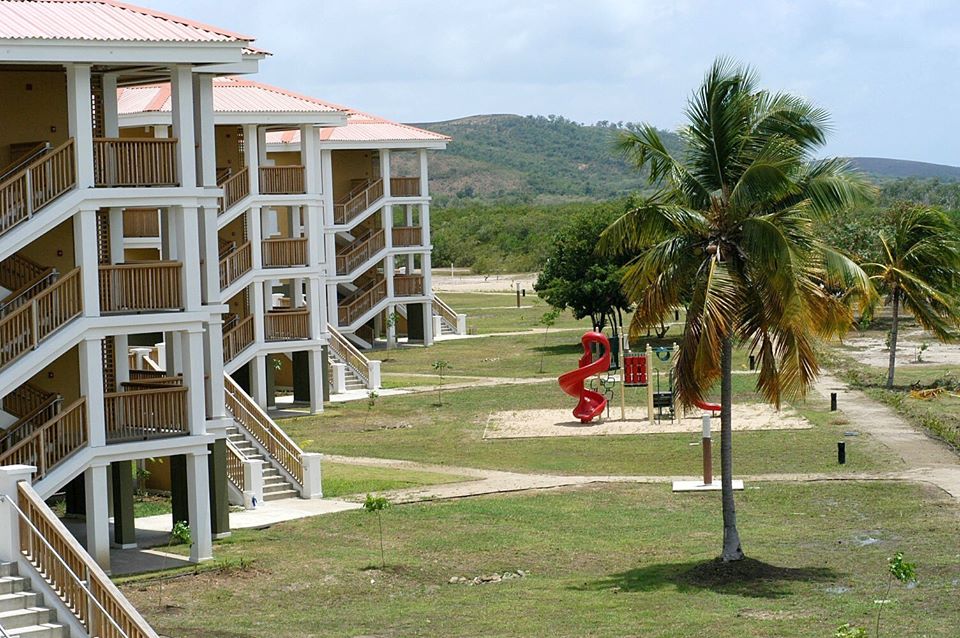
(703, 405)
(591, 403)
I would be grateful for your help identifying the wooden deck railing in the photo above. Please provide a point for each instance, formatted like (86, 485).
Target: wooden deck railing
(71, 572)
(236, 264)
(133, 162)
(28, 291)
(346, 210)
(349, 354)
(237, 338)
(446, 313)
(404, 187)
(42, 181)
(141, 222)
(148, 375)
(235, 187)
(281, 180)
(360, 303)
(360, 251)
(141, 287)
(139, 415)
(23, 329)
(254, 420)
(407, 236)
(52, 442)
(407, 285)
(25, 399)
(284, 252)
(287, 325)
(235, 461)
(30, 420)
(17, 271)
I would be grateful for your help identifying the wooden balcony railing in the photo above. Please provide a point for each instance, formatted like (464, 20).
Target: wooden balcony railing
(346, 210)
(134, 162)
(404, 187)
(141, 287)
(235, 187)
(141, 222)
(360, 251)
(254, 420)
(24, 193)
(361, 302)
(281, 180)
(349, 354)
(140, 415)
(236, 264)
(408, 285)
(285, 252)
(287, 325)
(52, 442)
(74, 577)
(407, 236)
(148, 375)
(24, 328)
(237, 338)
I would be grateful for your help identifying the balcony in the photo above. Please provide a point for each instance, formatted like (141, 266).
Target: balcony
(285, 253)
(235, 264)
(287, 325)
(236, 338)
(141, 287)
(404, 186)
(141, 222)
(146, 411)
(360, 251)
(408, 285)
(134, 162)
(404, 236)
(282, 180)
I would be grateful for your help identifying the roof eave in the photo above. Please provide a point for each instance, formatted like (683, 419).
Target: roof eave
(435, 145)
(120, 51)
(268, 119)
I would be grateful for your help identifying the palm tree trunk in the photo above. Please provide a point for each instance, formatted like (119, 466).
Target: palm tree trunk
(893, 337)
(731, 537)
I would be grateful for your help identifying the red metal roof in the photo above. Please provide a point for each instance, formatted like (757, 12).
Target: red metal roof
(101, 20)
(363, 127)
(230, 95)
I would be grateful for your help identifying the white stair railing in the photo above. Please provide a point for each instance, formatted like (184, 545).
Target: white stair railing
(367, 370)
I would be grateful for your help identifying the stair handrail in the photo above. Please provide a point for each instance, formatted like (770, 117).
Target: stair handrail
(37, 184)
(235, 187)
(278, 443)
(61, 441)
(235, 469)
(75, 592)
(26, 292)
(25, 160)
(444, 310)
(349, 354)
(362, 301)
(17, 270)
(361, 245)
(353, 192)
(349, 209)
(27, 424)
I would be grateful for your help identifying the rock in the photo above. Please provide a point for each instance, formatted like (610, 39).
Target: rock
(454, 580)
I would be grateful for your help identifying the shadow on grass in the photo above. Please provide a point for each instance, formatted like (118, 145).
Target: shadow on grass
(750, 578)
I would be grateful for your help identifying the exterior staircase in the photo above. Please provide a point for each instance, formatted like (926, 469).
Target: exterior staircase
(21, 613)
(275, 486)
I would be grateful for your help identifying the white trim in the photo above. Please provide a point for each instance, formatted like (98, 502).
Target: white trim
(121, 52)
(261, 118)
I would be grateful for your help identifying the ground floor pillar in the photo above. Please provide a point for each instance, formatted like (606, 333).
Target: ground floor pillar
(124, 532)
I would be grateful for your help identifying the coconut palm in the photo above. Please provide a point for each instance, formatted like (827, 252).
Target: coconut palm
(732, 235)
(919, 270)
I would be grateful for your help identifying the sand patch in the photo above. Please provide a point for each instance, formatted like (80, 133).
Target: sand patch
(521, 424)
(874, 352)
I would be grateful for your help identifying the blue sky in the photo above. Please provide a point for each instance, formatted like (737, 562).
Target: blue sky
(886, 70)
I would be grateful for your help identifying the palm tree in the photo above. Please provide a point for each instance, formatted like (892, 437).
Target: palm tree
(732, 235)
(919, 269)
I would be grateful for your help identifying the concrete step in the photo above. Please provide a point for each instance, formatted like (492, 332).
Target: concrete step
(8, 569)
(276, 487)
(25, 617)
(18, 600)
(10, 584)
(46, 630)
(276, 496)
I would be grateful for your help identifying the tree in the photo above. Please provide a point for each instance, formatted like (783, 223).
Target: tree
(377, 504)
(440, 367)
(576, 276)
(733, 232)
(919, 270)
(547, 320)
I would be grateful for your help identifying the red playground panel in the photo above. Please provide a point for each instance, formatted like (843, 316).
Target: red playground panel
(635, 370)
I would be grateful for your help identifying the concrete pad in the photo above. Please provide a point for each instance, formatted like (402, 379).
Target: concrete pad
(265, 515)
(700, 486)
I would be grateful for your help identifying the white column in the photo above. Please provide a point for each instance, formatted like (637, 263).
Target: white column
(192, 352)
(338, 382)
(258, 379)
(312, 484)
(115, 220)
(388, 272)
(310, 158)
(424, 188)
(85, 252)
(90, 351)
(206, 152)
(80, 120)
(317, 379)
(181, 105)
(255, 234)
(251, 156)
(10, 476)
(209, 256)
(385, 170)
(111, 122)
(168, 234)
(252, 483)
(391, 326)
(315, 304)
(313, 230)
(257, 309)
(98, 527)
(213, 366)
(198, 506)
(121, 358)
(188, 233)
(333, 316)
(262, 146)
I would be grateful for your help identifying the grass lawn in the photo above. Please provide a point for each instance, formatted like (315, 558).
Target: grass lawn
(612, 560)
(340, 479)
(413, 427)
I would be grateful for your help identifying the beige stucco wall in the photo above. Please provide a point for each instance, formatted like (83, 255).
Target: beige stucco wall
(55, 249)
(62, 376)
(349, 166)
(228, 148)
(32, 104)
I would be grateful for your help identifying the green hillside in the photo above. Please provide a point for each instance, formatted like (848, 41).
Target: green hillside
(532, 159)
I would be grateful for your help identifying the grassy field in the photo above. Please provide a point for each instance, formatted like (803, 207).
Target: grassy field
(610, 560)
(341, 479)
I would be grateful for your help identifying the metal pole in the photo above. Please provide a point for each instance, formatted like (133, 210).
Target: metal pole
(833, 401)
(841, 452)
(707, 451)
